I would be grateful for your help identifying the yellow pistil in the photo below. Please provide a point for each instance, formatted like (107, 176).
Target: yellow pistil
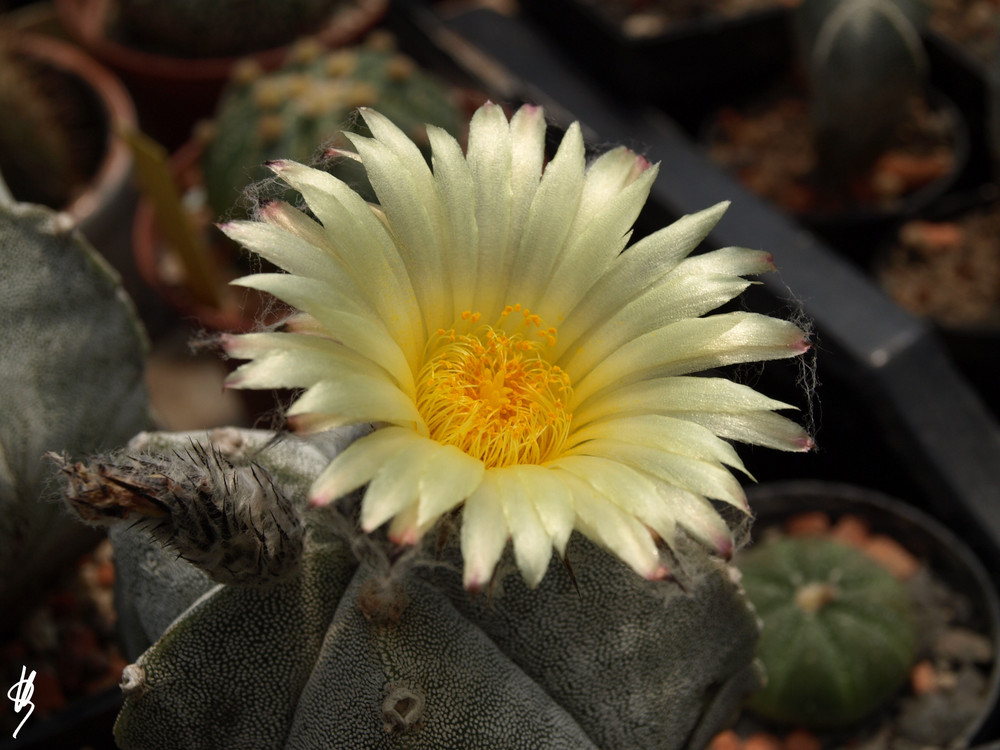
(492, 392)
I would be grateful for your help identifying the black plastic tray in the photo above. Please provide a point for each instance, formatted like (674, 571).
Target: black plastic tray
(896, 414)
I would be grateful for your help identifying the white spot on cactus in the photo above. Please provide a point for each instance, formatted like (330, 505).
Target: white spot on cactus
(402, 709)
(133, 682)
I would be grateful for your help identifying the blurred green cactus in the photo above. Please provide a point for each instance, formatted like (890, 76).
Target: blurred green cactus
(865, 61)
(351, 644)
(71, 379)
(838, 636)
(288, 113)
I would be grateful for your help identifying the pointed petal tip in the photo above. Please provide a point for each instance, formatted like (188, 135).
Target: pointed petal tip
(725, 547)
(805, 444)
(659, 573)
(277, 165)
(405, 538)
(320, 500)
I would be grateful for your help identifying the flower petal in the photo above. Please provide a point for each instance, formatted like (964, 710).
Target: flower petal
(692, 345)
(701, 477)
(484, 533)
(627, 488)
(358, 463)
(635, 270)
(460, 235)
(594, 248)
(395, 485)
(670, 434)
(288, 360)
(685, 292)
(359, 398)
(449, 478)
(408, 197)
(532, 544)
(614, 529)
(548, 221)
(552, 500)
(340, 317)
(490, 159)
(363, 244)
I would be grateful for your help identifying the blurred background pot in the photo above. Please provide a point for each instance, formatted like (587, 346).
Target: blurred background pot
(173, 91)
(82, 107)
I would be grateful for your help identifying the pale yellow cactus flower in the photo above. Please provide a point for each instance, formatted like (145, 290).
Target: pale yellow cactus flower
(515, 360)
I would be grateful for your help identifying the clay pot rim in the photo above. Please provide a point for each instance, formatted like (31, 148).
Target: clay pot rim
(116, 164)
(87, 21)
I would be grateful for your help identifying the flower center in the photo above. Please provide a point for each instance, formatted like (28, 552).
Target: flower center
(492, 393)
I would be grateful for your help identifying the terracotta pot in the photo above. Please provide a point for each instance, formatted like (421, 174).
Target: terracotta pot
(173, 93)
(111, 175)
(103, 208)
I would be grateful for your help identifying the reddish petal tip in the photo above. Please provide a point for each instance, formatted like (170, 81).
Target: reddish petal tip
(660, 573)
(319, 501)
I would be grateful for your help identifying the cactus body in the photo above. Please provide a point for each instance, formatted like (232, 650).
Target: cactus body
(838, 638)
(361, 649)
(865, 61)
(71, 379)
(286, 114)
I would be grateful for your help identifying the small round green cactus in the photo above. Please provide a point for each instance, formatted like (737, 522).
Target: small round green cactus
(294, 111)
(838, 634)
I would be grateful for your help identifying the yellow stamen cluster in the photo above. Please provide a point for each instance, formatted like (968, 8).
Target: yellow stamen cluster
(493, 394)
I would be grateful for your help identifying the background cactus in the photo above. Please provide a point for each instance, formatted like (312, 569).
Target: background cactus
(71, 379)
(361, 647)
(220, 28)
(36, 145)
(287, 113)
(865, 61)
(838, 636)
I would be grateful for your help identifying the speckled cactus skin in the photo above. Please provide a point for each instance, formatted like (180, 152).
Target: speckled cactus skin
(71, 379)
(291, 113)
(218, 28)
(838, 636)
(864, 60)
(351, 650)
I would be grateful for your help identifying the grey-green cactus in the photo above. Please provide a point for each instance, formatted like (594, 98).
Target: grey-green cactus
(309, 101)
(865, 61)
(71, 379)
(220, 28)
(839, 636)
(348, 643)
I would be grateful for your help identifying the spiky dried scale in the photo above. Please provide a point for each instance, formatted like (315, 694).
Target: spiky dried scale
(227, 518)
